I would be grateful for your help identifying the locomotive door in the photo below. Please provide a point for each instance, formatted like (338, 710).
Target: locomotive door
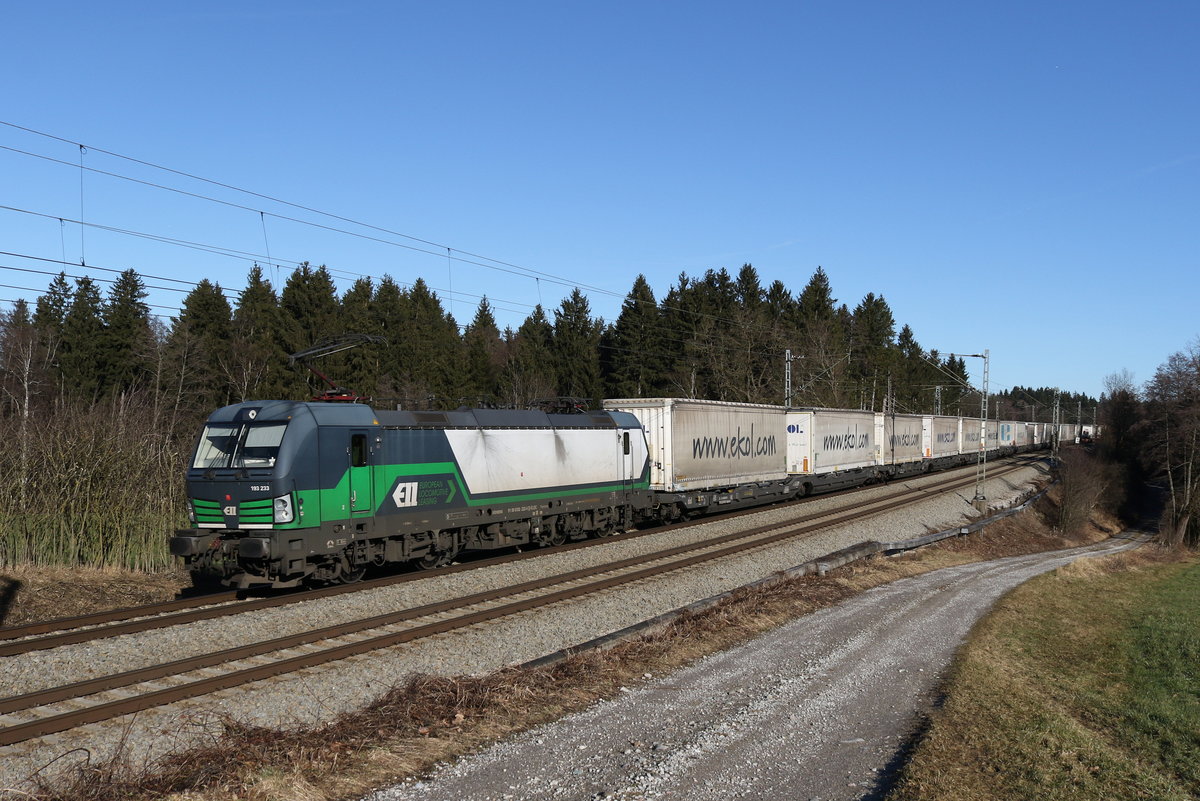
(627, 475)
(360, 475)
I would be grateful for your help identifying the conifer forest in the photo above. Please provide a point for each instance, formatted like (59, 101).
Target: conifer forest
(100, 399)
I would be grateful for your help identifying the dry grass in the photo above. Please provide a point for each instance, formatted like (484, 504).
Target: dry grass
(1044, 700)
(434, 718)
(29, 594)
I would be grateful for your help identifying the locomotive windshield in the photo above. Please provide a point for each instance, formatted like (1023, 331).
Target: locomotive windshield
(239, 445)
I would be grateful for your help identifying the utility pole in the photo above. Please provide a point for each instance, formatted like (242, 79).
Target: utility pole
(1054, 435)
(787, 378)
(937, 398)
(981, 467)
(980, 500)
(788, 358)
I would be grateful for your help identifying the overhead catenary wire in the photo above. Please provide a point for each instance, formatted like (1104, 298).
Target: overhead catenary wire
(236, 292)
(496, 264)
(451, 254)
(87, 277)
(495, 302)
(30, 289)
(280, 201)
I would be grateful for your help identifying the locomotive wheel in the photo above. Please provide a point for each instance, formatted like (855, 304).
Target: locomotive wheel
(352, 577)
(435, 559)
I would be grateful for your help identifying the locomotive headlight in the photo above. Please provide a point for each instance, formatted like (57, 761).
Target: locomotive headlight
(191, 513)
(283, 509)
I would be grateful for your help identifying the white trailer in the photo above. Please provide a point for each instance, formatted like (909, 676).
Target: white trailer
(1007, 434)
(1021, 436)
(902, 440)
(712, 452)
(993, 435)
(830, 448)
(941, 436)
(970, 439)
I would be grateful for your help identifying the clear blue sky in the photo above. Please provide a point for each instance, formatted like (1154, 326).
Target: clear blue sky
(1022, 177)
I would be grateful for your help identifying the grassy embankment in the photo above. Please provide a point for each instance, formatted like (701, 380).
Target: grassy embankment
(1082, 684)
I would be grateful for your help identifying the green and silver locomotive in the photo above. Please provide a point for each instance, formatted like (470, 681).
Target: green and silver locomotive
(284, 492)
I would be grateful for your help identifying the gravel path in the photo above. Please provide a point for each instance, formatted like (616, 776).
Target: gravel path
(817, 709)
(319, 694)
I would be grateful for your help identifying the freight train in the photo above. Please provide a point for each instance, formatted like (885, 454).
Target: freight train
(285, 493)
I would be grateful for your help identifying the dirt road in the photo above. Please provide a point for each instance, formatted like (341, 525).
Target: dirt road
(821, 708)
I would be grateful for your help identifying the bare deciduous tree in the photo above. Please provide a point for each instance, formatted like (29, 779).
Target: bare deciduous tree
(1171, 436)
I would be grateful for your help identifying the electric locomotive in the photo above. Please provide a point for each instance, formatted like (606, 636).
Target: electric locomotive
(287, 492)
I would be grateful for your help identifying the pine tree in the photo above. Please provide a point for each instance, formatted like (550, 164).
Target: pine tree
(48, 319)
(872, 335)
(361, 369)
(528, 373)
(633, 353)
(200, 345)
(309, 303)
(309, 314)
(682, 322)
(389, 310)
(911, 375)
(428, 350)
(82, 350)
(128, 342)
(577, 348)
(52, 307)
(748, 354)
(258, 365)
(483, 355)
(822, 327)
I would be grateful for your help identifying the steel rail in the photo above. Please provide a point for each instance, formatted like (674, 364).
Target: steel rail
(69, 631)
(65, 721)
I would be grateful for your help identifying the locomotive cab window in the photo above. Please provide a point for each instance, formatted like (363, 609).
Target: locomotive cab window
(358, 450)
(625, 442)
(236, 445)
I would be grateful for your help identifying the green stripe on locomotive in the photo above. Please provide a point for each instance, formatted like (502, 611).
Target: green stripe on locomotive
(340, 463)
(440, 486)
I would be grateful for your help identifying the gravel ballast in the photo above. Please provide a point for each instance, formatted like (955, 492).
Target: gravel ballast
(319, 694)
(819, 708)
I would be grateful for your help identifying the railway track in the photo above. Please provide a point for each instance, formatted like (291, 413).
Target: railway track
(16, 640)
(63, 708)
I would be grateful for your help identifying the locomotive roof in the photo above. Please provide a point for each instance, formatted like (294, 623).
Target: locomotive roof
(493, 418)
(357, 414)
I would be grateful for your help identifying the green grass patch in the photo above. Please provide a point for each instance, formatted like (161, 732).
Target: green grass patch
(1082, 684)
